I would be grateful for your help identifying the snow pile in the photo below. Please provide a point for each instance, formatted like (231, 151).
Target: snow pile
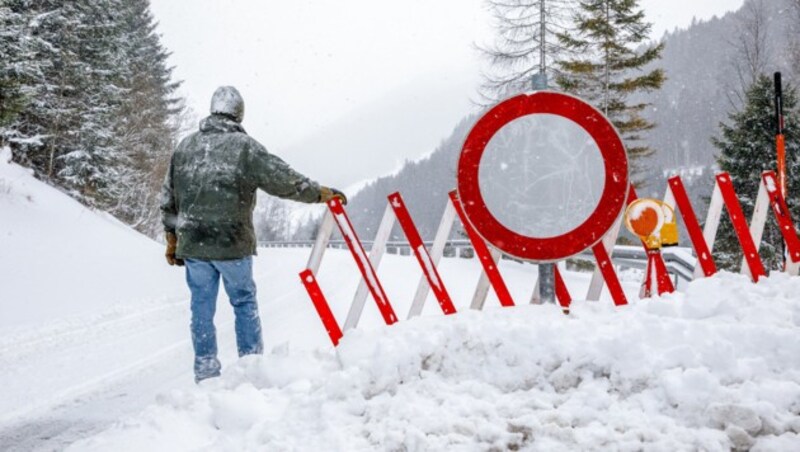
(715, 369)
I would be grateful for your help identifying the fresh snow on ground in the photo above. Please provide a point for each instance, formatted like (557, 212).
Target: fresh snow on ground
(95, 353)
(714, 369)
(61, 260)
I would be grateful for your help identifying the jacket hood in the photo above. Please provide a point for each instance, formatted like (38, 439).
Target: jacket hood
(218, 123)
(228, 101)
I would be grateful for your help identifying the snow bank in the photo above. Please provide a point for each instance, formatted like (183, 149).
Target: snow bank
(84, 301)
(714, 369)
(62, 260)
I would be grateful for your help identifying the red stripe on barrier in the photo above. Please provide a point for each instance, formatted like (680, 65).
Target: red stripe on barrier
(423, 257)
(484, 256)
(609, 274)
(364, 265)
(562, 293)
(704, 256)
(736, 216)
(321, 304)
(782, 215)
(656, 269)
(661, 269)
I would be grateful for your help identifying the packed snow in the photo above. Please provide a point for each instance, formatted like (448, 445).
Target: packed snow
(96, 355)
(716, 368)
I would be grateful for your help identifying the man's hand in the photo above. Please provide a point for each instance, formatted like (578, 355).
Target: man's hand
(172, 245)
(327, 193)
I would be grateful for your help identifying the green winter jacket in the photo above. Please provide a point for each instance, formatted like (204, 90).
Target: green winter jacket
(210, 190)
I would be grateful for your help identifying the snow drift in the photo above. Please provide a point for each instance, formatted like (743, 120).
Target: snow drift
(62, 260)
(716, 368)
(84, 300)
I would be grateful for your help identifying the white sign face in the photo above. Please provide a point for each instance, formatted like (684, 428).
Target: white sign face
(541, 175)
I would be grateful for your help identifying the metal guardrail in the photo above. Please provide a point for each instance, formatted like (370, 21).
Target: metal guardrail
(453, 248)
(679, 260)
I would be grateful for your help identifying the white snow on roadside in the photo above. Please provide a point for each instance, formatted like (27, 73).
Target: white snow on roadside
(716, 368)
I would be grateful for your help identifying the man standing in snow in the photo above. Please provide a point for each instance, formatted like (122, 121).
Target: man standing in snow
(207, 209)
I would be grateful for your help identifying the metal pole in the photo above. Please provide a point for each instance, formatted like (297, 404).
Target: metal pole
(547, 283)
(542, 37)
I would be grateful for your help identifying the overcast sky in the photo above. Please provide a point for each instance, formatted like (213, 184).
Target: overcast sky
(372, 81)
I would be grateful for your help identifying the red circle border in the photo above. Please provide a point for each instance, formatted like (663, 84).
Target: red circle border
(588, 233)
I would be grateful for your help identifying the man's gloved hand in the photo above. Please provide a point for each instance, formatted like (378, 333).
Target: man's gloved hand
(172, 245)
(327, 193)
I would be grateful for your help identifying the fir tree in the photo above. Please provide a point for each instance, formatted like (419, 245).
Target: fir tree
(746, 149)
(95, 166)
(607, 68)
(42, 66)
(147, 125)
(88, 100)
(12, 50)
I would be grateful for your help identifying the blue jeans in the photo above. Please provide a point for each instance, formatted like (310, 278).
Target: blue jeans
(203, 280)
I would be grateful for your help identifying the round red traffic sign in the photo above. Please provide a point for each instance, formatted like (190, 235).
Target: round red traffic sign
(587, 233)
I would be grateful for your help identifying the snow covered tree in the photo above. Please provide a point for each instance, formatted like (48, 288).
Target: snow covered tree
(527, 44)
(746, 148)
(95, 166)
(608, 63)
(11, 51)
(40, 72)
(88, 100)
(147, 125)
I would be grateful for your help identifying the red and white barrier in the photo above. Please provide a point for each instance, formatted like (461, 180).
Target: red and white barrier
(423, 257)
(677, 198)
(656, 279)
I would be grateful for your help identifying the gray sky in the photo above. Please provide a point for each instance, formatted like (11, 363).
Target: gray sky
(347, 90)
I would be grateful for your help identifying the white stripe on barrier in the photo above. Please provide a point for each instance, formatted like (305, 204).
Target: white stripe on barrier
(321, 244)
(715, 207)
(597, 281)
(375, 256)
(437, 251)
(757, 221)
(482, 289)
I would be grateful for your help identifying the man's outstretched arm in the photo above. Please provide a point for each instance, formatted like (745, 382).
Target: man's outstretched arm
(277, 178)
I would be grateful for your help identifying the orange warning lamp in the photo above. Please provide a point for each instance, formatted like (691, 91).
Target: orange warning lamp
(653, 221)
